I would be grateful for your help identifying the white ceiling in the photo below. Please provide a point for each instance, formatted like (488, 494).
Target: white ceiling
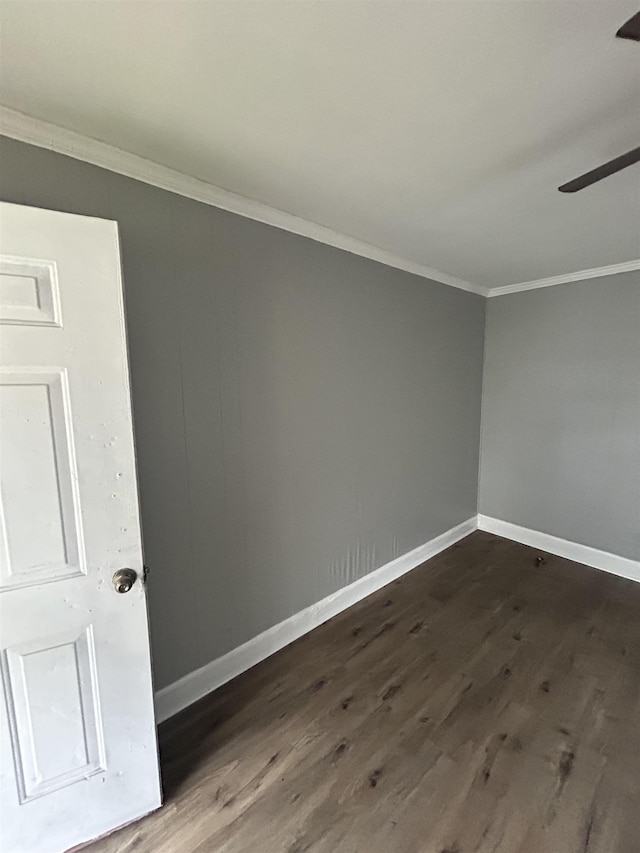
(438, 131)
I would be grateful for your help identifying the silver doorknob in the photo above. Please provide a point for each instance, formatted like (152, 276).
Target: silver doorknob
(124, 579)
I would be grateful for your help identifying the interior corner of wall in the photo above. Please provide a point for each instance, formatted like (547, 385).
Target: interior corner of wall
(482, 407)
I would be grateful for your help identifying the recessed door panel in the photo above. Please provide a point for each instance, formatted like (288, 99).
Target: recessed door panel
(39, 517)
(53, 748)
(29, 293)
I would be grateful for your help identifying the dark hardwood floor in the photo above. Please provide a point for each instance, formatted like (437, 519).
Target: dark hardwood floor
(487, 701)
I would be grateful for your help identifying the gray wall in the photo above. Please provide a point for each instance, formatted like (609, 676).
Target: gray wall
(561, 412)
(302, 415)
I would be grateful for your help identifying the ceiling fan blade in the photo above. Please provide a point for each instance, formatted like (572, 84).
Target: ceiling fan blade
(601, 172)
(630, 30)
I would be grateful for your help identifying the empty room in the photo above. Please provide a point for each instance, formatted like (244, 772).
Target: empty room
(320, 426)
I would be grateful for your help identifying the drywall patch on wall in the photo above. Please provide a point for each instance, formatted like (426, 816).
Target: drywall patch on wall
(194, 686)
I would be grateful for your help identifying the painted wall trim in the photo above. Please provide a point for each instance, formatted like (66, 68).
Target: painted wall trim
(581, 275)
(45, 135)
(182, 693)
(187, 690)
(603, 560)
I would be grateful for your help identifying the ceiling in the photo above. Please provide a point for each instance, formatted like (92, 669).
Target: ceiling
(438, 131)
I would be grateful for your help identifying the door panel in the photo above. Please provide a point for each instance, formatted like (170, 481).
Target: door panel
(60, 674)
(40, 528)
(77, 731)
(29, 292)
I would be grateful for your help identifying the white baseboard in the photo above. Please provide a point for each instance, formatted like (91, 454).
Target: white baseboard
(603, 560)
(187, 690)
(182, 693)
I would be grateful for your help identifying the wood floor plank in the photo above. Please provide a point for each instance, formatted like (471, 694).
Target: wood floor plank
(487, 702)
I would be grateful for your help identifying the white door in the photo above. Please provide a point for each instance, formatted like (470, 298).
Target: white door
(77, 731)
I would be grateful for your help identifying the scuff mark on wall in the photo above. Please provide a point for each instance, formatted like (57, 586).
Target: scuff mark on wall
(395, 548)
(359, 560)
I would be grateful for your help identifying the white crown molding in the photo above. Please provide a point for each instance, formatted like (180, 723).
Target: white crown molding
(581, 275)
(43, 134)
(603, 560)
(193, 686)
(34, 131)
